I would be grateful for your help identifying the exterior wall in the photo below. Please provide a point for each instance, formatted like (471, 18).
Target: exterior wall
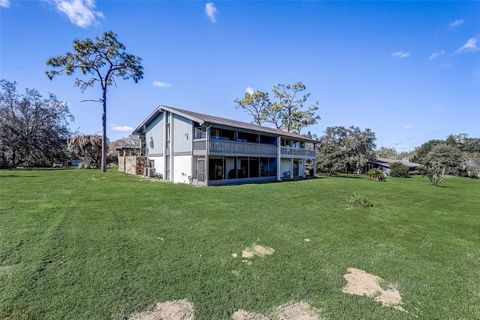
(285, 166)
(131, 164)
(182, 169)
(154, 137)
(159, 165)
(182, 133)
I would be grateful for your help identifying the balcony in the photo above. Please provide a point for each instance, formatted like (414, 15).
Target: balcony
(234, 148)
(289, 151)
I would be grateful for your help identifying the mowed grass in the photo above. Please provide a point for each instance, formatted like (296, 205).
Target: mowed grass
(78, 244)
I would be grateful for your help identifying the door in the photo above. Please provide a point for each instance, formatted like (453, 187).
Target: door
(201, 170)
(296, 168)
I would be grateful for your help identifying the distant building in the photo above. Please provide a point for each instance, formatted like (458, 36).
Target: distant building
(384, 164)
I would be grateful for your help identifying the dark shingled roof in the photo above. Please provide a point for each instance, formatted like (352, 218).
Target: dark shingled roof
(209, 119)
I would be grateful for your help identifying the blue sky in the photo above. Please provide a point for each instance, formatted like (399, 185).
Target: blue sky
(410, 71)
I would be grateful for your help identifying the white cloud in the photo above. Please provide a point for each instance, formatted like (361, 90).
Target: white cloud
(211, 11)
(120, 128)
(408, 126)
(249, 90)
(161, 84)
(4, 3)
(80, 12)
(456, 23)
(470, 46)
(400, 54)
(437, 54)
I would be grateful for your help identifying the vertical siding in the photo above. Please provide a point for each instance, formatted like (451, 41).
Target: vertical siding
(154, 136)
(182, 131)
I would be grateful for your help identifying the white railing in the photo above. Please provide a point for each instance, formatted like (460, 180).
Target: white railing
(289, 151)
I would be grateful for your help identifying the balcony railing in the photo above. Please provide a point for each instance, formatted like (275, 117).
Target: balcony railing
(288, 151)
(224, 147)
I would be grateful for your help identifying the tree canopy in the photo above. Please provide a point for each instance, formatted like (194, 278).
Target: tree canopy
(100, 61)
(345, 150)
(286, 108)
(33, 129)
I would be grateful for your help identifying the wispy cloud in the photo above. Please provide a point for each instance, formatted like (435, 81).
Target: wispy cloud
(120, 128)
(80, 12)
(4, 3)
(470, 46)
(456, 23)
(249, 90)
(161, 84)
(400, 54)
(211, 11)
(437, 54)
(408, 126)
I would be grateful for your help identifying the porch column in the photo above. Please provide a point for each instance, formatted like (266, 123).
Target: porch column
(164, 144)
(315, 160)
(172, 137)
(291, 168)
(207, 140)
(279, 159)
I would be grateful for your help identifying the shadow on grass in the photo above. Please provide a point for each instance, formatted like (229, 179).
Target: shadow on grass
(15, 176)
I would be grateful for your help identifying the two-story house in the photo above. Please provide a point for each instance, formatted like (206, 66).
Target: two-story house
(190, 147)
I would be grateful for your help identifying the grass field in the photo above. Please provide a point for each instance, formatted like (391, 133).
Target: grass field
(76, 244)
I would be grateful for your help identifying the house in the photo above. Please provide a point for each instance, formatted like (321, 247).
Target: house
(384, 164)
(191, 147)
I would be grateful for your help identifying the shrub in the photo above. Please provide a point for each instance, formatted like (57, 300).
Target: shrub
(435, 172)
(398, 169)
(376, 175)
(359, 202)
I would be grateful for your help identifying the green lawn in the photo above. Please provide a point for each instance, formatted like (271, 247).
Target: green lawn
(76, 244)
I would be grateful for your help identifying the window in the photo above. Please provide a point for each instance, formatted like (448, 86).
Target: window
(268, 167)
(222, 134)
(253, 168)
(151, 164)
(268, 140)
(243, 168)
(247, 137)
(215, 169)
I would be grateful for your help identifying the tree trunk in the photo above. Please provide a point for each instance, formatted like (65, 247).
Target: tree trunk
(104, 131)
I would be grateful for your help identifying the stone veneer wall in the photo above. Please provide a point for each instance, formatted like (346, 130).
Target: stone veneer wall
(132, 164)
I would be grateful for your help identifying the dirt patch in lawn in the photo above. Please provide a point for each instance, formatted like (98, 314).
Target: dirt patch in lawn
(361, 283)
(293, 311)
(168, 310)
(256, 250)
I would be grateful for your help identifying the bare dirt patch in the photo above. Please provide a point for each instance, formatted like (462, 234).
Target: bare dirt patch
(257, 250)
(168, 310)
(361, 283)
(293, 311)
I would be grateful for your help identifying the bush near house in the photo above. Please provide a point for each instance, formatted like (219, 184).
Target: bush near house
(398, 169)
(376, 175)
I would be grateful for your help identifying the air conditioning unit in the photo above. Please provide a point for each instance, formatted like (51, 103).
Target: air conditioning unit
(149, 172)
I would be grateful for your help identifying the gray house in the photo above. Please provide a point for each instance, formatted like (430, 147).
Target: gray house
(190, 147)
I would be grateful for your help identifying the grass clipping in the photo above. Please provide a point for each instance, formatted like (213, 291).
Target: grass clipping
(168, 310)
(294, 311)
(361, 283)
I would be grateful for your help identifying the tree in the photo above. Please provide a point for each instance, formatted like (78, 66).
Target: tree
(386, 152)
(88, 148)
(422, 151)
(33, 129)
(255, 104)
(435, 172)
(398, 169)
(287, 110)
(445, 155)
(102, 61)
(345, 150)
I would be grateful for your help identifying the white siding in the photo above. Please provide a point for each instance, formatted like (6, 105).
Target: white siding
(285, 166)
(159, 165)
(182, 169)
